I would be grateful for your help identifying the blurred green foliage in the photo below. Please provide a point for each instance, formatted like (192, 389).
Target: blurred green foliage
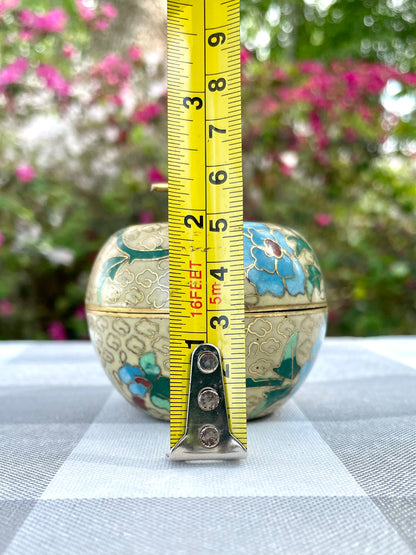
(378, 30)
(329, 149)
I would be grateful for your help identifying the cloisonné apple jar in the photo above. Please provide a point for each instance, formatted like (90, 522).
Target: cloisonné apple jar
(127, 306)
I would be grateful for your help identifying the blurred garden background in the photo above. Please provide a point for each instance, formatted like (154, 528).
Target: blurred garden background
(329, 141)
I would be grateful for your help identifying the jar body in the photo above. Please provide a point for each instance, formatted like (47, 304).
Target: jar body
(128, 315)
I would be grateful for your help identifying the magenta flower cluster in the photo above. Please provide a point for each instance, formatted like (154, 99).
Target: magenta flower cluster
(13, 73)
(113, 70)
(52, 22)
(7, 5)
(54, 80)
(109, 82)
(327, 95)
(99, 18)
(349, 81)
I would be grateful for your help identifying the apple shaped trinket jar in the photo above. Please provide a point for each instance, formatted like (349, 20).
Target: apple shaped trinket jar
(127, 306)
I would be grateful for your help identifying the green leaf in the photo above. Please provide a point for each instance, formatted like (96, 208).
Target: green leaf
(137, 135)
(289, 368)
(314, 279)
(301, 244)
(69, 7)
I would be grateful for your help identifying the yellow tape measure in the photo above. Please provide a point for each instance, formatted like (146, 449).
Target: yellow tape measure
(205, 201)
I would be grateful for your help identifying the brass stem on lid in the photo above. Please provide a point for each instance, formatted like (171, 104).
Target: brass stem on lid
(159, 187)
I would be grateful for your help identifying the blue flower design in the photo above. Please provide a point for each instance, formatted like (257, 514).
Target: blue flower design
(128, 375)
(146, 378)
(270, 262)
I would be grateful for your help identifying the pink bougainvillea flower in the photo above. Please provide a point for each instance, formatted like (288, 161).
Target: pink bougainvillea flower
(285, 169)
(116, 99)
(51, 22)
(6, 5)
(279, 74)
(57, 331)
(27, 18)
(26, 35)
(322, 158)
(80, 313)
(333, 316)
(350, 134)
(101, 24)
(25, 173)
(154, 175)
(323, 141)
(316, 123)
(113, 69)
(269, 105)
(134, 53)
(147, 113)
(54, 80)
(68, 50)
(364, 112)
(245, 56)
(310, 66)
(86, 12)
(6, 307)
(13, 72)
(146, 217)
(318, 130)
(323, 219)
(294, 94)
(409, 78)
(101, 18)
(109, 10)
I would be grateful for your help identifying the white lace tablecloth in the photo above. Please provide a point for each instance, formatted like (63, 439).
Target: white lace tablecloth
(83, 472)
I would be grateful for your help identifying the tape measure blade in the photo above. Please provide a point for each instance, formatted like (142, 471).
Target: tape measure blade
(205, 199)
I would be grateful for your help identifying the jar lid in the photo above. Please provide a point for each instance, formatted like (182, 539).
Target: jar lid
(131, 272)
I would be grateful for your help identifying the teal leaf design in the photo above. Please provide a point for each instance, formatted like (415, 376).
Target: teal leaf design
(160, 391)
(289, 368)
(301, 244)
(111, 265)
(271, 397)
(158, 395)
(134, 254)
(314, 279)
(148, 363)
(109, 270)
(271, 382)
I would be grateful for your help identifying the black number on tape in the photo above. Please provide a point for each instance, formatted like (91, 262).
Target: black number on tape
(219, 273)
(212, 128)
(220, 225)
(194, 101)
(218, 178)
(216, 38)
(221, 321)
(189, 219)
(191, 342)
(217, 84)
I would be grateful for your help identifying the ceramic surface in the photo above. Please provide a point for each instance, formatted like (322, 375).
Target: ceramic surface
(128, 314)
